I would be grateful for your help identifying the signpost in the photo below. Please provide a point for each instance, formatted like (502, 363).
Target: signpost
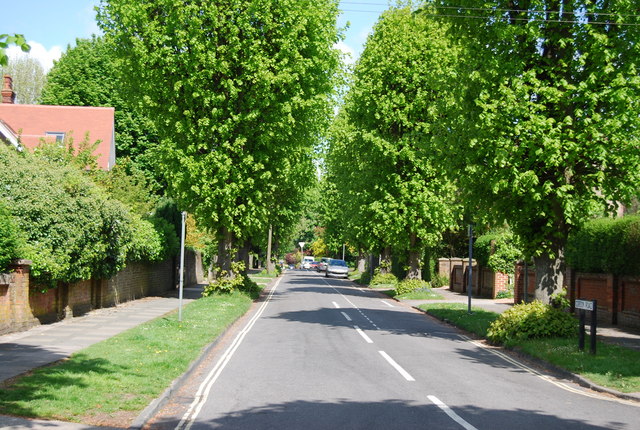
(583, 306)
(470, 282)
(184, 217)
(301, 252)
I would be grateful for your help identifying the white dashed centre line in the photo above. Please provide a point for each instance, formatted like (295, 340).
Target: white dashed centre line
(396, 366)
(386, 303)
(363, 334)
(336, 305)
(447, 410)
(346, 316)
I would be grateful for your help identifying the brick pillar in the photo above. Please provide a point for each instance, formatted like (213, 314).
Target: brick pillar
(16, 309)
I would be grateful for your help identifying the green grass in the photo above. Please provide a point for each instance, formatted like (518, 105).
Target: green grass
(613, 366)
(126, 372)
(456, 313)
(422, 294)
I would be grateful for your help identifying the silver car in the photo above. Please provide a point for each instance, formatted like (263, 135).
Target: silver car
(337, 268)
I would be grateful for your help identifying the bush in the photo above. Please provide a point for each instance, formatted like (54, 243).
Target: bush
(365, 278)
(226, 284)
(383, 279)
(505, 252)
(505, 294)
(531, 320)
(606, 245)
(438, 280)
(10, 237)
(409, 285)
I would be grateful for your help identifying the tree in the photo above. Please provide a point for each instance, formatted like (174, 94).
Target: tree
(239, 93)
(87, 75)
(383, 148)
(28, 78)
(546, 131)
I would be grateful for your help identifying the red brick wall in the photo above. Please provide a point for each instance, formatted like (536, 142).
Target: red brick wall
(15, 313)
(519, 283)
(629, 299)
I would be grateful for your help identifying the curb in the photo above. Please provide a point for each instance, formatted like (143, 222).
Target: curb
(158, 403)
(551, 368)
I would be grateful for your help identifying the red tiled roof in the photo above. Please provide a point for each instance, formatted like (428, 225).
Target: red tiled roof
(33, 122)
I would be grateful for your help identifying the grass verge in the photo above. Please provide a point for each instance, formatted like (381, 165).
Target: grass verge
(613, 366)
(123, 374)
(422, 294)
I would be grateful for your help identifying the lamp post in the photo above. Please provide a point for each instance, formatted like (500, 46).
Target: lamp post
(470, 282)
(184, 217)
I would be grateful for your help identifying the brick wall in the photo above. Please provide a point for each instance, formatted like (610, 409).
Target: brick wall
(518, 291)
(15, 313)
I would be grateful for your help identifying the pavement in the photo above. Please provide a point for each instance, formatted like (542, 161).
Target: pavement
(43, 345)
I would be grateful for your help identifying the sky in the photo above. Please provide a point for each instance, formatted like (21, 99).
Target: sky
(50, 26)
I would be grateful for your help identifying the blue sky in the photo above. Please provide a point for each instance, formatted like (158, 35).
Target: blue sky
(51, 25)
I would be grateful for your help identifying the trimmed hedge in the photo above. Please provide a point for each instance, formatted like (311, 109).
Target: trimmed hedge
(606, 245)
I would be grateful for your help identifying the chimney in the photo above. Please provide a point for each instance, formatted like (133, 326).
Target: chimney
(8, 95)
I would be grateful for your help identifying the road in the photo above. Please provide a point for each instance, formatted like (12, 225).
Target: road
(324, 354)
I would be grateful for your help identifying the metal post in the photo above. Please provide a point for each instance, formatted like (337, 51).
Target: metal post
(469, 283)
(184, 217)
(343, 251)
(594, 319)
(269, 264)
(581, 332)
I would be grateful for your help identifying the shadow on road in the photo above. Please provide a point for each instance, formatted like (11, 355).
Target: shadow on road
(389, 414)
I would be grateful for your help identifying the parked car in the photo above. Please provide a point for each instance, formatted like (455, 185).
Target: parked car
(306, 262)
(314, 265)
(337, 268)
(322, 266)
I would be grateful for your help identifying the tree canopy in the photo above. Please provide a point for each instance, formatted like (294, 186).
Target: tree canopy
(239, 92)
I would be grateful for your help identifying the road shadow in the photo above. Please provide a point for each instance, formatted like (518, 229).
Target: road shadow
(381, 415)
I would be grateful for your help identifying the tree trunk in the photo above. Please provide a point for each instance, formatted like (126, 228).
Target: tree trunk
(225, 253)
(385, 261)
(243, 255)
(549, 276)
(414, 259)
(362, 262)
(270, 268)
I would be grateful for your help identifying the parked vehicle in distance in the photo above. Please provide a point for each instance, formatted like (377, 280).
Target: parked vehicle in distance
(322, 266)
(314, 265)
(337, 268)
(306, 262)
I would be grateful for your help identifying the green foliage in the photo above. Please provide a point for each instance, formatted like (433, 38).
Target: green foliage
(7, 40)
(498, 251)
(238, 124)
(365, 278)
(68, 153)
(560, 300)
(10, 238)
(409, 285)
(385, 279)
(438, 280)
(544, 127)
(531, 320)
(505, 294)
(456, 313)
(606, 245)
(236, 282)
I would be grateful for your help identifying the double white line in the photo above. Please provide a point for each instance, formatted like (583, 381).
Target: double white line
(205, 387)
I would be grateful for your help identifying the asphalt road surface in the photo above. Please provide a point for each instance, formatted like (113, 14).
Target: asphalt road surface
(324, 354)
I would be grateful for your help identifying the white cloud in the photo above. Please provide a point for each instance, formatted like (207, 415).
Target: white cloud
(348, 53)
(39, 52)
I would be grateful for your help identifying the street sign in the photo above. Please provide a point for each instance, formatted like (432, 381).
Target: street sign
(587, 305)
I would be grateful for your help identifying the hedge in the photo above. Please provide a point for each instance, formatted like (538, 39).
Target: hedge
(9, 238)
(606, 245)
(73, 230)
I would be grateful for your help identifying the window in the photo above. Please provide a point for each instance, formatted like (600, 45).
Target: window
(59, 135)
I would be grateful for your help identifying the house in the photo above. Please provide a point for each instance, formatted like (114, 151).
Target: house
(25, 125)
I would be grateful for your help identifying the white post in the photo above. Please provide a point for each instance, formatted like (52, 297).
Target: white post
(184, 217)
(301, 252)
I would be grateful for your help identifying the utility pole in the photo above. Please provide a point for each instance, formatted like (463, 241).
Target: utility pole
(269, 263)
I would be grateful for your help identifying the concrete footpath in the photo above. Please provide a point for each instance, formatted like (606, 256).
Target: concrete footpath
(46, 344)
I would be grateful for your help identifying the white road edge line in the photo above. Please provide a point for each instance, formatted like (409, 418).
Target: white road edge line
(447, 410)
(396, 366)
(205, 387)
(346, 316)
(386, 303)
(363, 334)
(545, 377)
(336, 305)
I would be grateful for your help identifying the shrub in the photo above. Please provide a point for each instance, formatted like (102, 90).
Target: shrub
(365, 278)
(383, 279)
(228, 284)
(438, 280)
(505, 294)
(10, 238)
(606, 245)
(531, 320)
(505, 252)
(409, 285)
